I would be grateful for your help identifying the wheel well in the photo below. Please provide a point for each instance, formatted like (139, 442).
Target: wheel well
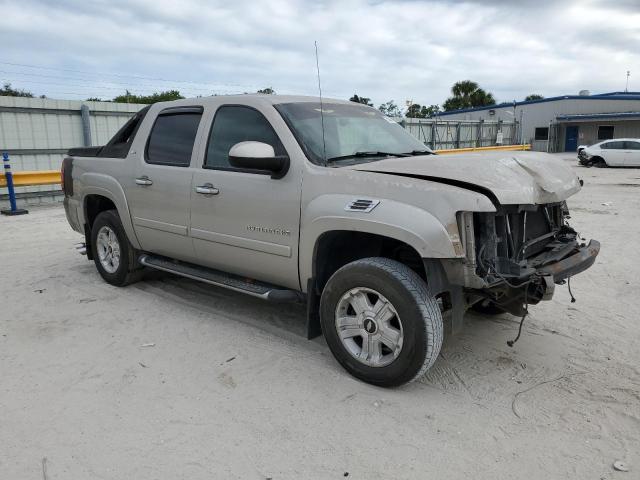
(93, 205)
(335, 249)
(598, 160)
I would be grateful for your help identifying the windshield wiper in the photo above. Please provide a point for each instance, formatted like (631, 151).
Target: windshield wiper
(367, 154)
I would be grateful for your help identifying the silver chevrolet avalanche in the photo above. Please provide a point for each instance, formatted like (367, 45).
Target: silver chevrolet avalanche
(293, 199)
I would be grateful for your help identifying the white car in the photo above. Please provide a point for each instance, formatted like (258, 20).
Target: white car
(618, 152)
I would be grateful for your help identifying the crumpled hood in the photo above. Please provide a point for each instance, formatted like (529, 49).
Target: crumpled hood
(512, 177)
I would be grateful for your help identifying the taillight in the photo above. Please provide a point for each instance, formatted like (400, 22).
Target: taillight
(66, 179)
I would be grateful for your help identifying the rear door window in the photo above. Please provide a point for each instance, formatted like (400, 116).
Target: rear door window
(632, 145)
(173, 136)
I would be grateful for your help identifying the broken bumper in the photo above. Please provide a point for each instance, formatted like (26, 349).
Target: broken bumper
(573, 264)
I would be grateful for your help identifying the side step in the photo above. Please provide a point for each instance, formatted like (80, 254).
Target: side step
(221, 279)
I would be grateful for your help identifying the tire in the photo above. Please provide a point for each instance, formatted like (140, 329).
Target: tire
(408, 315)
(487, 307)
(114, 256)
(599, 162)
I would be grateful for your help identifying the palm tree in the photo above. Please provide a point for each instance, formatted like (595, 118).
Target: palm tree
(467, 94)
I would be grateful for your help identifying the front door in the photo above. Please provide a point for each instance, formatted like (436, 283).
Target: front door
(159, 195)
(571, 139)
(614, 153)
(245, 222)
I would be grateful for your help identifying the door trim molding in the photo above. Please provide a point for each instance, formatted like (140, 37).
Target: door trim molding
(242, 242)
(162, 226)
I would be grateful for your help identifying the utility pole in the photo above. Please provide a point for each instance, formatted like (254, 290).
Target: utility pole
(626, 89)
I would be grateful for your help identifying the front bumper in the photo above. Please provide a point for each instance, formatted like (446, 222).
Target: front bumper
(583, 157)
(578, 262)
(538, 279)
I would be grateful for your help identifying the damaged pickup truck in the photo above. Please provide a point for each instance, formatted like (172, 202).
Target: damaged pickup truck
(290, 199)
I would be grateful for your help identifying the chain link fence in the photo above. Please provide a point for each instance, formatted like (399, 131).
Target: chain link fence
(445, 134)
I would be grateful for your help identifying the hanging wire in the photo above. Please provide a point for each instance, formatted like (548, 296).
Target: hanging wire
(573, 299)
(511, 343)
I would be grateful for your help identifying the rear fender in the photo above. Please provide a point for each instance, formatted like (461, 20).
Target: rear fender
(108, 187)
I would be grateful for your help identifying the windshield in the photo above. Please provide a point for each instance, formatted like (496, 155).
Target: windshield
(351, 133)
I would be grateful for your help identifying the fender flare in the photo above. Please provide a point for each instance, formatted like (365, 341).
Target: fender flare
(426, 234)
(108, 187)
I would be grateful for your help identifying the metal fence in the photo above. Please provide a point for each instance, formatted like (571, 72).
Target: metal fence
(38, 131)
(447, 134)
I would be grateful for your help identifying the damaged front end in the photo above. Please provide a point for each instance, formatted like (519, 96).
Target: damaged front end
(516, 255)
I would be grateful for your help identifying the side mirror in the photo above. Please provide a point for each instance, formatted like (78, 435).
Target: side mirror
(258, 156)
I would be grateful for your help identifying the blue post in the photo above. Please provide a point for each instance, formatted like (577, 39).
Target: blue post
(14, 210)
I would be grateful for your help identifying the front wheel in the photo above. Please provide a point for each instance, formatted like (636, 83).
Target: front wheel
(380, 321)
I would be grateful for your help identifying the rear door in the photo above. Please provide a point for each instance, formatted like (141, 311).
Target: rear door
(250, 225)
(631, 153)
(160, 190)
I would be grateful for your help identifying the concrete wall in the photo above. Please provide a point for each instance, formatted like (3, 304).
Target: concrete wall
(38, 131)
(542, 114)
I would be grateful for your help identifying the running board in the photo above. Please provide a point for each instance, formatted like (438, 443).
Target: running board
(254, 288)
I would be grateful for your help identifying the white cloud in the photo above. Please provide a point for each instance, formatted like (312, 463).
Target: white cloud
(384, 49)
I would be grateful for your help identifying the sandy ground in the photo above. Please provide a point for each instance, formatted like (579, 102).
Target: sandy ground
(231, 389)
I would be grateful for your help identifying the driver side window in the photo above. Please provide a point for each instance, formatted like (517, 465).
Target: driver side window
(233, 124)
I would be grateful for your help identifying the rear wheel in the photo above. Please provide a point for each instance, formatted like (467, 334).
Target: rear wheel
(114, 256)
(380, 321)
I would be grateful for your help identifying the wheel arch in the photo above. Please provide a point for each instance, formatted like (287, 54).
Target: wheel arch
(396, 221)
(103, 193)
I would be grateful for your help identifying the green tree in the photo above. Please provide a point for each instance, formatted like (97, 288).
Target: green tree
(390, 109)
(8, 91)
(128, 97)
(533, 96)
(96, 99)
(363, 100)
(414, 111)
(467, 94)
(267, 91)
(430, 111)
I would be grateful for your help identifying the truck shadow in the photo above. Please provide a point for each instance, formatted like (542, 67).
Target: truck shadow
(467, 360)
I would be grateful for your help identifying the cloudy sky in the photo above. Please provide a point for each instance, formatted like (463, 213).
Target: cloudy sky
(381, 49)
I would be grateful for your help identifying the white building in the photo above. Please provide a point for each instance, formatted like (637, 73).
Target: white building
(562, 123)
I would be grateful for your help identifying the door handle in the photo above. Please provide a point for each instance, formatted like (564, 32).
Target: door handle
(207, 189)
(143, 181)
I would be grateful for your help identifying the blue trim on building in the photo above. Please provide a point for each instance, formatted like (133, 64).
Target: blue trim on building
(600, 116)
(600, 96)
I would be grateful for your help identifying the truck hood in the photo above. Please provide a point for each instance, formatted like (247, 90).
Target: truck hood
(505, 177)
